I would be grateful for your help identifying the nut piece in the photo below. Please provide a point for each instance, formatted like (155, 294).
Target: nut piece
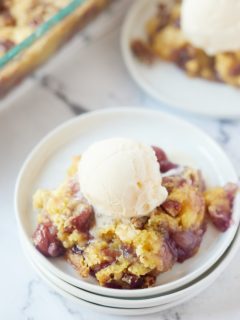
(142, 51)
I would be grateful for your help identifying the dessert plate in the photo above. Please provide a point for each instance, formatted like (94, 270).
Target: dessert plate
(46, 165)
(105, 308)
(189, 290)
(166, 82)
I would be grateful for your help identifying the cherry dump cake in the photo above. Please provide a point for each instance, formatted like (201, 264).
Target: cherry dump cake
(166, 40)
(20, 18)
(169, 212)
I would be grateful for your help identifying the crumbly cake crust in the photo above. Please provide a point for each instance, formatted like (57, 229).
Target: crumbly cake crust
(18, 19)
(166, 41)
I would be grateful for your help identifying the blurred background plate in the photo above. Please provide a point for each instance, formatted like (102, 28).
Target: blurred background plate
(166, 82)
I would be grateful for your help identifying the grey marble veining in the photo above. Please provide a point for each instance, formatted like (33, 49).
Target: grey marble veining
(58, 90)
(88, 74)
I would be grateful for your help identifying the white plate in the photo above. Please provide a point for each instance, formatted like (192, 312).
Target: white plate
(106, 309)
(46, 166)
(195, 287)
(166, 82)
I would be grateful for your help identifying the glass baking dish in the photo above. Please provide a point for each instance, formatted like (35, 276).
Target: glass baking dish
(47, 38)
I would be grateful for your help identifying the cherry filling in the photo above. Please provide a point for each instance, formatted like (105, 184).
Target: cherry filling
(82, 222)
(164, 162)
(186, 243)
(168, 254)
(128, 281)
(173, 182)
(220, 210)
(113, 285)
(133, 281)
(177, 244)
(46, 241)
(95, 269)
(172, 207)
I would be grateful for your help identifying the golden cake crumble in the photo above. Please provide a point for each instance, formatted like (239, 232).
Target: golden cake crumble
(130, 253)
(165, 40)
(18, 19)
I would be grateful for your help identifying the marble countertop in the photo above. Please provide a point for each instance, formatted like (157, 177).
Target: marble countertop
(88, 74)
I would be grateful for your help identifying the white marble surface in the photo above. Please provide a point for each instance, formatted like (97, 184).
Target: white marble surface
(88, 74)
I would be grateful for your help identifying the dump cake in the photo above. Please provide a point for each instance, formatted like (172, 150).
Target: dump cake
(125, 213)
(202, 48)
(20, 18)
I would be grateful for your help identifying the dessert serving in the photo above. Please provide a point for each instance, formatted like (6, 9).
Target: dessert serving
(125, 213)
(20, 18)
(200, 37)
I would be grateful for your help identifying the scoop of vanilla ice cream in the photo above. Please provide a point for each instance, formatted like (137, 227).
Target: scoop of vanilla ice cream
(121, 178)
(212, 25)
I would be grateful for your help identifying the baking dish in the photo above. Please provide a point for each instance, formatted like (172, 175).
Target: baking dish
(23, 57)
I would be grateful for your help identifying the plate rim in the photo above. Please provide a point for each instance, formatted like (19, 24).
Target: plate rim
(108, 309)
(122, 110)
(202, 282)
(171, 104)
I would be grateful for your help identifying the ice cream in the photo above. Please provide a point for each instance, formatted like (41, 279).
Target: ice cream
(212, 25)
(121, 178)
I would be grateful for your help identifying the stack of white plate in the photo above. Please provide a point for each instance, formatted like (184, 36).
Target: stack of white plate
(45, 167)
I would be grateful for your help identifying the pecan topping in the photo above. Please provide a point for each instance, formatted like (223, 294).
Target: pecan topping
(142, 51)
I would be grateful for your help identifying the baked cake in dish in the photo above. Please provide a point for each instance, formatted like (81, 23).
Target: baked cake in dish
(20, 18)
(165, 40)
(129, 252)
